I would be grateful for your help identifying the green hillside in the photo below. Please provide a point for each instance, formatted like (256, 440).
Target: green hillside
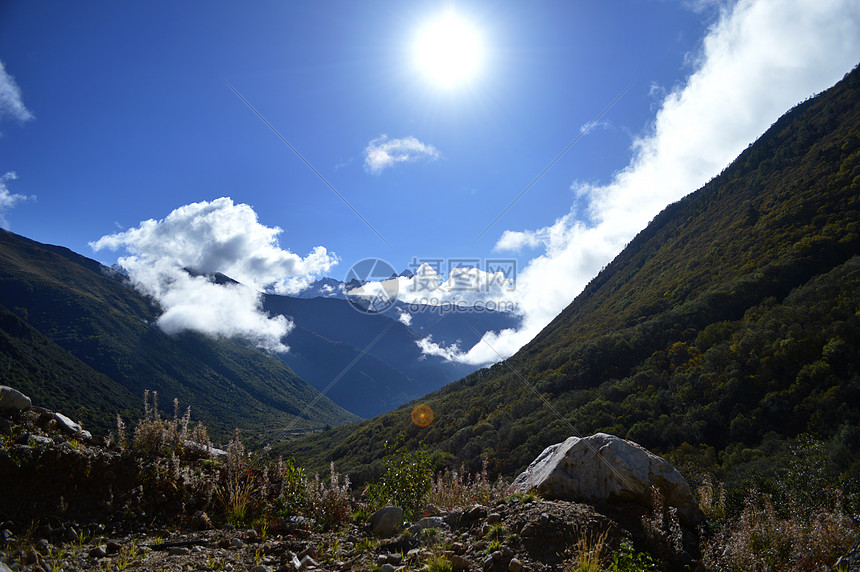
(80, 339)
(725, 329)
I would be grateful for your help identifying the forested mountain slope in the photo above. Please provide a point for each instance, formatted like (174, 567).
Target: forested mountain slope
(80, 339)
(725, 329)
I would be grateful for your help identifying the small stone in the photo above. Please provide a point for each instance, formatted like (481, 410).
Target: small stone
(458, 547)
(515, 565)
(236, 543)
(113, 547)
(309, 562)
(252, 534)
(459, 563)
(98, 552)
(527, 530)
(494, 518)
(310, 550)
(260, 568)
(387, 567)
(544, 519)
(179, 551)
(42, 546)
(67, 424)
(395, 558)
(196, 550)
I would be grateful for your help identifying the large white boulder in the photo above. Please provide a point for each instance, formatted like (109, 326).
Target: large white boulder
(606, 468)
(13, 400)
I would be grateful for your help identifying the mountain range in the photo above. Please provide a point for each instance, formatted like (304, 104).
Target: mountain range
(78, 337)
(725, 332)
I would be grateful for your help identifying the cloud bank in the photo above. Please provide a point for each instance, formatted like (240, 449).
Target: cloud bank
(11, 103)
(8, 199)
(177, 260)
(382, 152)
(761, 58)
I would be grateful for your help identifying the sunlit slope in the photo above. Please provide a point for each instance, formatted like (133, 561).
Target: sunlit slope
(733, 318)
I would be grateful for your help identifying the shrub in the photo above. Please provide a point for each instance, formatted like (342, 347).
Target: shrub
(406, 482)
(329, 505)
(458, 488)
(292, 499)
(158, 436)
(759, 539)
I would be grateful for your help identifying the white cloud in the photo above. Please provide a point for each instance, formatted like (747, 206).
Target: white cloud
(207, 238)
(404, 317)
(382, 152)
(11, 103)
(761, 58)
(8, 199)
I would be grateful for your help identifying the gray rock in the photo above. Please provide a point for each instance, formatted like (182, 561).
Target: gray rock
(494, 518)
(98, 552)
(260, 568)
(428, 522)
(460, 563)
(515, 565)
(308, 562)
(72, 427)
(387, 567)
(13, 400)
(178, 551)
(236, 543)
(4, 568)
(386, 522)
(605, 468)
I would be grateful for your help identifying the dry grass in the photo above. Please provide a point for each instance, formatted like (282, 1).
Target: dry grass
(459, 488)
(760, 540)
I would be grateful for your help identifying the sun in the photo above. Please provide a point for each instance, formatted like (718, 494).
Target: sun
(449, 50)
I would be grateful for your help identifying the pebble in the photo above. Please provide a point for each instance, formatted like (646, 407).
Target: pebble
(98, 552)
(494, 518)
(459, 563)
(387, 567)
(260, 568)
(178, 551)
(236, 543)
(113, 547)
(515, 565)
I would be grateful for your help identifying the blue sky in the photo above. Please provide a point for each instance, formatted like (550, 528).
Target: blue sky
(116, 113)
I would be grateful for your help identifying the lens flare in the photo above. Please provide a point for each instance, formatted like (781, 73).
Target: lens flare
(422, 415)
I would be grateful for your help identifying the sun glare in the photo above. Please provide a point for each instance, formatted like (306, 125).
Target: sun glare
(448, 50)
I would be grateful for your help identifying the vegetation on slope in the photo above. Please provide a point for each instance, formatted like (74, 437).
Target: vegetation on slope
(727, 329)
(99, 320)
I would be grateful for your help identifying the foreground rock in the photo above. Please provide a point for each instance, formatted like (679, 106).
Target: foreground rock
(13, 400)
(605, 469)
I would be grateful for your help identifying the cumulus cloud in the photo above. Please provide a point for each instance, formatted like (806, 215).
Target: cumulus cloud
(177, 261)
(759, 59)
(382, 152)
(8, 199)
(11, 103)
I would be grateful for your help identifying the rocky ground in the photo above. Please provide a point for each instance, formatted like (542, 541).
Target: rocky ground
(514, 535)
(71, 501)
